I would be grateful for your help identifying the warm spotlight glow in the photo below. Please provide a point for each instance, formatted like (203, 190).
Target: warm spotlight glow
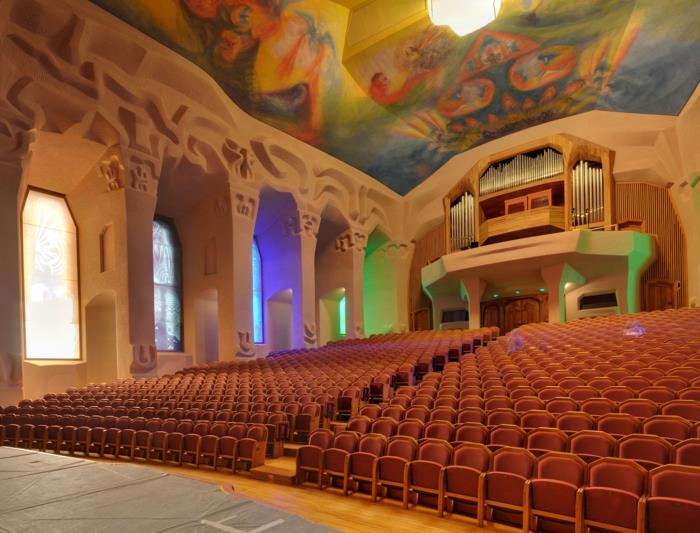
(50, 256)
(463, 16)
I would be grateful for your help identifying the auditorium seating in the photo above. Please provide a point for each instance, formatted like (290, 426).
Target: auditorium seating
(582, 405)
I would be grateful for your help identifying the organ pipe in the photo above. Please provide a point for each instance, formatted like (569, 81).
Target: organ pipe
(462, 222)
(588, 193)
(523, 169)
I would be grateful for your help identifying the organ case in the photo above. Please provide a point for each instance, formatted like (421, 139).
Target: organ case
(555, 184)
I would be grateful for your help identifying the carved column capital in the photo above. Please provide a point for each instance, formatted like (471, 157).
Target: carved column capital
(131, 170)
(244, 202)
(354, 240)
(302, 222)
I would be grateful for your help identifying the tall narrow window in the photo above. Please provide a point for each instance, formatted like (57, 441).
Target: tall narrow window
(50, 265)
(258, 322)
(167, 281)
(341, 316)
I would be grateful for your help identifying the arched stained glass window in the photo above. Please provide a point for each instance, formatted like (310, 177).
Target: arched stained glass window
(341, 316)
(50, 269)
(258, 321)
(167, 283)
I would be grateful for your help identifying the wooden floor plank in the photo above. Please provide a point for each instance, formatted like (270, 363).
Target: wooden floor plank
(352, 514)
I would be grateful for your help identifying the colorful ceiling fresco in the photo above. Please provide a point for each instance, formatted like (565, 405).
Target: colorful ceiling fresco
(402, 108)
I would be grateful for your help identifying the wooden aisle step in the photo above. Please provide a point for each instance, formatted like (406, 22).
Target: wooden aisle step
(281, 471)
(290, 449)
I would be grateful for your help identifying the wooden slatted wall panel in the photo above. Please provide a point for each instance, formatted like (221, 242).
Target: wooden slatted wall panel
(653, 204)
(427, 249)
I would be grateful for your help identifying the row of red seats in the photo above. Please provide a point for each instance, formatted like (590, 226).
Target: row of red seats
(511, 484)
(237, 445)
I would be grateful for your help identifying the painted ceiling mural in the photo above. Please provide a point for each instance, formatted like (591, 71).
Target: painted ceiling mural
(401, 110)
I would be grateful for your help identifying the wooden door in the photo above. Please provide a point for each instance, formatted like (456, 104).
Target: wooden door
(520, 312)
(491, 315)
(421, 319)
(661, 294)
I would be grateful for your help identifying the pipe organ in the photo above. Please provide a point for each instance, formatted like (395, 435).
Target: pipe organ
(551, 185)
(588, 191)
(523, 169)
(462, 222)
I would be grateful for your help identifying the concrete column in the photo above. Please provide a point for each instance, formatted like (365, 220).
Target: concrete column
(556, 277)
(244, 206)
(305, 327)
(10, 289)
(354, 293)
(474, 289)
(134, 244)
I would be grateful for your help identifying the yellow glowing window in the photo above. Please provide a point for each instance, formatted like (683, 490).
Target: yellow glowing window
(50, 265)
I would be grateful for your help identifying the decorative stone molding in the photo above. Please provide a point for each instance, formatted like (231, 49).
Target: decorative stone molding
(112, 171)
(310, 337)
(245, 347)
(145, 358)
(240, 160)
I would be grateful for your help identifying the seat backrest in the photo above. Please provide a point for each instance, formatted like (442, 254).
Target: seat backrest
(592, 443)
(619, 474)
(674, 428)
(411, 427)
(513, 460)
(439, 429)
(565, 467)
(537, 419)
(472, 455)
(546, 439)
(404, 447)
(688, 409)
(619, 424)
(346, 440)
(372, 443)
(507, 435)
(321, 438)
(648, 448)
(471, 432)
(437, 451)
(360, 424)
(384, 426)
(687, 452)
(312, 409)
(418, 413)
(675, 481)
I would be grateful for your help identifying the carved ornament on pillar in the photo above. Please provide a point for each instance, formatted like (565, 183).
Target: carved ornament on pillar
(145, 358)
(244, 205)
(240, 160)
(304, 223)
(310, 334)
(354, 240)
(142, 172)
(112, 171)
(245, 346)
(393, 250)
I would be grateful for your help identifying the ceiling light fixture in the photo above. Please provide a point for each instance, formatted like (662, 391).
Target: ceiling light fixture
(463, 16)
